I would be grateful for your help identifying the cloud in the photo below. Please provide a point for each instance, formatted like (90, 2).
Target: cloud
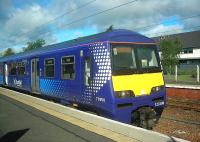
(25, 20)
(23, 25)
(6, 7)
(135, 16)
(138, 14)
(163, 30)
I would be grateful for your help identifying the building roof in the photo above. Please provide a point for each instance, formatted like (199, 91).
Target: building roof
(188, 39)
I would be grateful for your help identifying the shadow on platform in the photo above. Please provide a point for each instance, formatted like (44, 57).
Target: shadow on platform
(13, 136)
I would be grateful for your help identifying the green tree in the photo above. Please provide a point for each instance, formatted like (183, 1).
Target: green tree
(8, 52)
(33, 45)
(170, 49)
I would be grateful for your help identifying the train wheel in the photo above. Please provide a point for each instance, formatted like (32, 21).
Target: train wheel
(136, 118)
(144, 117)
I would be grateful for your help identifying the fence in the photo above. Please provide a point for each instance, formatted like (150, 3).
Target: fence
(184, 74)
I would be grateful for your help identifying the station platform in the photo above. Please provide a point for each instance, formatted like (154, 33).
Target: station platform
(26, 118)
(23, 122)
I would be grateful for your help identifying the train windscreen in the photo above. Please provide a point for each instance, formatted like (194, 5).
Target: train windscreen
(130, 59)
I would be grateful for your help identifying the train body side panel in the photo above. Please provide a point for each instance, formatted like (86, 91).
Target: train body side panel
(101, 86)
(20, 81)
(98, 95)
(64, 89)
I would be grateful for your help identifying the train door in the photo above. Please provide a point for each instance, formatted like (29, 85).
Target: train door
(6, 74)
(88, 77)
(35, 75)
(87, 71)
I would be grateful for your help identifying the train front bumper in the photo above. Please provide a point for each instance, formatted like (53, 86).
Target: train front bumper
(126, 106)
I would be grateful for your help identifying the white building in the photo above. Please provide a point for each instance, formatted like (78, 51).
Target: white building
(191, 46)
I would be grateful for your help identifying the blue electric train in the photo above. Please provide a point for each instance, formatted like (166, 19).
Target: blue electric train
(116, 73)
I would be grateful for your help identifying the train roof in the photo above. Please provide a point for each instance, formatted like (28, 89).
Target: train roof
(117, 35)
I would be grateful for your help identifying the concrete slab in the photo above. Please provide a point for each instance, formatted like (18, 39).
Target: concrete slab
(23, 123)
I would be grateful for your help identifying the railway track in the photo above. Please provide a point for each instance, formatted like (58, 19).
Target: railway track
(183, 100)
(190, 122)
(184, 104)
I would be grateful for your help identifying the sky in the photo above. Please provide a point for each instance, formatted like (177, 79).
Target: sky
(23, 21)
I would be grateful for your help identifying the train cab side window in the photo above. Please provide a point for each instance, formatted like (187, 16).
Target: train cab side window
(21, 68)
(13, 69)
(49, 67)
(68, 67)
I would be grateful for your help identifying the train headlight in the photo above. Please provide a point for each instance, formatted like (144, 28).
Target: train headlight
(124, 94)
(157, 88)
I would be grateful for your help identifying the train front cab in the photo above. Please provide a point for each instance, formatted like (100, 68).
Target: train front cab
(138, 84)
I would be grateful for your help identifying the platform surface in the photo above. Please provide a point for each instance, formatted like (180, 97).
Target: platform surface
(26, 124)
(29, 118)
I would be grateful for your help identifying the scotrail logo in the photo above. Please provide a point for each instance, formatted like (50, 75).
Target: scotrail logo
(18, 82)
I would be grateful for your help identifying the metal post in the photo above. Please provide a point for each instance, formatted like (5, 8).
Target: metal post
(197, 73)
(176, 77)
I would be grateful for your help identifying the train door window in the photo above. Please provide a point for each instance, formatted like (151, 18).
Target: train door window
(37, 65)
(13, 69)
(87, 71)
(68, 67)
(1, 69)
(33, 67)
(21, 68)
(49, 67)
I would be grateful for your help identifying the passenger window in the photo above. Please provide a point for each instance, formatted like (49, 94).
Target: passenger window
(68, 67)
(21, 68)
(13, 68)
(49, 67)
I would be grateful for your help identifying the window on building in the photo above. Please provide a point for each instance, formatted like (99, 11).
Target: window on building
(184, 51)
(187, 51)
(49, 67)
(68, 67)
(13, 69)
(21, 68)
(190, 51)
